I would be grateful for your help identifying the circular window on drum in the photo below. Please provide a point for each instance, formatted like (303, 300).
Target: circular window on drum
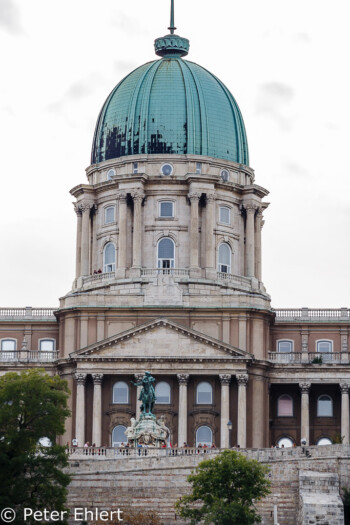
(225, 175)
(167, 169)
(110, 173)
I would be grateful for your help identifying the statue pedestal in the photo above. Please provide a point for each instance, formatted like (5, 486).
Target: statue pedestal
(147, 431)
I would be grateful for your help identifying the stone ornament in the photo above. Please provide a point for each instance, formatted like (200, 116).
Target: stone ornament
(242, 379)
(183, 378)
(344, 387)
(97, 379)
(304, 387)
(225, 379)
(80, 378)
(194, 196)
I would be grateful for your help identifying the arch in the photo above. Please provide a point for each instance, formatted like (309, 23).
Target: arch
(204, 393)
(204, 436)
(166, 253)
(224, 258)
(324, 441)
(162, 393)
(118, 436)
(285, 406)
(285, 442)
(324, 406)
(121, 393)
(109, 258)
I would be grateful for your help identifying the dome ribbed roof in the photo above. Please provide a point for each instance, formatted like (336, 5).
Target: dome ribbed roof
(170, 106)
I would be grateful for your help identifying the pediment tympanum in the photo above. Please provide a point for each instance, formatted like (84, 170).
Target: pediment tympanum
(161, 339)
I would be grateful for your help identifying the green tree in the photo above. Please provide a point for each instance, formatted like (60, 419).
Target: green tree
(33, 405)
(224, 490)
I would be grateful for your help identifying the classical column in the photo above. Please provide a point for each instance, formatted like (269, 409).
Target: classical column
(242, 380)
(182, 419)
(209, 231)
(249, 240)
(97, 410)
(122, 240)
(78, 246)
(138, 378)
(305, 420)
(137, 239)
(258, 227)
(194, 234)
(225, 409)
(85, 241)
(80, 409)
(345, 412)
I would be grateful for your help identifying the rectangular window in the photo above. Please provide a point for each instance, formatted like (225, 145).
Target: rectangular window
(166, 209)
(47, 345)
(8, 344)
(285, 346)
(199, 167)
(135, 167)
(225, 215)
(109, 214)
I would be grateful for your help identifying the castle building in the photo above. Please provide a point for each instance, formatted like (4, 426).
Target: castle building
(169, 279)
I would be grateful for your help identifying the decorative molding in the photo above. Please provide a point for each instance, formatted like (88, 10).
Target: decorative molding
(183, 378)
(250, 208)
(225, 379)
(121, 196)
(344, 387)
(97, 379)
(304, 387)
(80, 378)
(77, 209)
(242, 379)
(211, 197)
(86, 205)
(194, 197)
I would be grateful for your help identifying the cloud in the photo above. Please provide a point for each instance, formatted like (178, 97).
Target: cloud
(77, 91)
(273, 99)
(295, 169)
(302, 38)
(10, 17)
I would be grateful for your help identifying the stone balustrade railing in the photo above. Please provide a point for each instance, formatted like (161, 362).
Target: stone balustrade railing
(309, 357)
(175, 272)
(312, 314)
(28, 356)
(27, 312)
(130, 452)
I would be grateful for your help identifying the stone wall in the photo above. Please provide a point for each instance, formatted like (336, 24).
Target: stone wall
(154, 483)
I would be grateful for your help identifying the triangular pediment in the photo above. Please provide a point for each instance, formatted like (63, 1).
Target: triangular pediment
(161, 339)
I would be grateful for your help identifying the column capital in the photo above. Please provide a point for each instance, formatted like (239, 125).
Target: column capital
(242, 379)
(304, 387)
(225, 379)
(193, 196)
(97, 379)
(121, 196)
(77, 208)
(86, 205)
(138, 377)
(211, 197)
(138, 195)
(80, 378)
(183, 378)
(250, 208)
(344, 387)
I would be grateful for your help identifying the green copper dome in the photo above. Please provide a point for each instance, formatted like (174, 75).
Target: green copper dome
(170, 106)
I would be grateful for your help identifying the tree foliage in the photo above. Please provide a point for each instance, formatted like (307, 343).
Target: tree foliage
(224, 490)
(33, 405)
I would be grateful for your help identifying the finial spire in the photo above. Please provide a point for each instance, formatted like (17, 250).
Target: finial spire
(172, 22)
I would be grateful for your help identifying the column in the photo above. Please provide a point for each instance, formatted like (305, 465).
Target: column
(225, 409)
(85, 241)
(194, 234)
(242, 332)
(182, 419)
(100, 327)
(97, 410)
(136, 243)
(78, 246)
(138, 378)
(305, 420)
(258, 227)
(345, 412)
(242, 380)
(122, 240)
(80, 409)
(209, 231)
(249, 240)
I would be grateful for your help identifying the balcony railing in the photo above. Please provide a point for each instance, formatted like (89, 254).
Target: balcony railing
(244, 281)
(175, 272)
(126, 452)
(99, 277)
(310, 357)
(312, 314)
(28, 356)
(27, 312)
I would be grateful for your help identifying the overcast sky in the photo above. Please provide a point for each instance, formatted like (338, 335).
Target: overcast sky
(285, 61)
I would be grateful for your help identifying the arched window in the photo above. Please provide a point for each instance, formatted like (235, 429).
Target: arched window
(109, 214)
(109, 258)
(324, 441)
(8, 349)
(325, 348)
(224, 215)
(285, 406)
(284, 347)
(285, 442)
(118, 436)
(324, 406)
(224, 258)
(47, 345)
(204, 436)
(166, 253)
(121, 393)
(204, 394)
(163, 393)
